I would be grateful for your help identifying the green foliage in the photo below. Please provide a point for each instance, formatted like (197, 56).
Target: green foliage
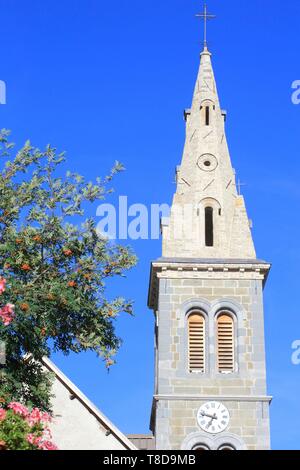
(22, 429)
(13, 431)
(56, 269)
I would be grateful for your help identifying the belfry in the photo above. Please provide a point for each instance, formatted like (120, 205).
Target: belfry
(206, 292)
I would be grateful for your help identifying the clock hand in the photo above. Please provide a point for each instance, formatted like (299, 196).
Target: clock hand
(209, 416)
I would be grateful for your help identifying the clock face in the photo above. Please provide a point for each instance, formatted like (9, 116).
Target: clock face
(213, 417)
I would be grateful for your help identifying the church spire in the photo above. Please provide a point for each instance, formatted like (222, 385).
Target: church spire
(208, 216)
(206, 294)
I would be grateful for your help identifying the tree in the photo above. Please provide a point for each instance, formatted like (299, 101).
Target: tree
(56, 266)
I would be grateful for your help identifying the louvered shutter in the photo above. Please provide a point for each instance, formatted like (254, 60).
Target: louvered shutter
(196, 324)
(225, 343)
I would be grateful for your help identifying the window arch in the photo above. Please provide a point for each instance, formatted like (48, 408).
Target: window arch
(210, 213)
(207, 116)
(207, 107)
(226, 447)
(199, 441)
(225, 343)
(197, 342)
(200, 447)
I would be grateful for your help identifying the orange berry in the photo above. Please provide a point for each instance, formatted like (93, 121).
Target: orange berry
(25, 267)
(24, 307)
(68, 252)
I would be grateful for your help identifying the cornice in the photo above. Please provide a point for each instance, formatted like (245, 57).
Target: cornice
(177, 268)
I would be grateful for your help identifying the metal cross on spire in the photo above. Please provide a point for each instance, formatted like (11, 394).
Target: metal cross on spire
(205, 17)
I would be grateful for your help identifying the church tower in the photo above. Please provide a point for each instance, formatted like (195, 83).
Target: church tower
(207, 295)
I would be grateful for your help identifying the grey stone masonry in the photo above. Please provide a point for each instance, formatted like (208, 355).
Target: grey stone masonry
(179, 393)
(209, 264)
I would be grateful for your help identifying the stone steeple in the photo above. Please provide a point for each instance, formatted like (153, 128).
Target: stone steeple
(208, 217)
(207, 296)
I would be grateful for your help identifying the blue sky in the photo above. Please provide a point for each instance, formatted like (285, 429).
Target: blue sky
(108, 81)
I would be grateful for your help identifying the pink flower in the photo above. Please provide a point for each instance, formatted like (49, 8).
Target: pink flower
(42, 442)
(34, 417)
(38, 441)
(7, 314)
(47, 436)
(19, 409)
(47, 445)
(2, 285)
(46, 418)
(30, 438)
(2, 414)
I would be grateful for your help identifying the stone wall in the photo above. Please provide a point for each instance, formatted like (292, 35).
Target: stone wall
(179, 393)
(177, 425)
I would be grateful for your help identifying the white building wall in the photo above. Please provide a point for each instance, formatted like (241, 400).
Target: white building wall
(74, 427)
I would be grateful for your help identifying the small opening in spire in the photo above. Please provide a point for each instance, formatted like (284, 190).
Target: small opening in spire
(209, 226)
(207, 116)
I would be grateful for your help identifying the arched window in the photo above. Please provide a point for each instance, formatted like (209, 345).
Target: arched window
(209, 226)
(196, 332)
(225, 346)
(226, 447)
(201, 447)
(207, 116)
